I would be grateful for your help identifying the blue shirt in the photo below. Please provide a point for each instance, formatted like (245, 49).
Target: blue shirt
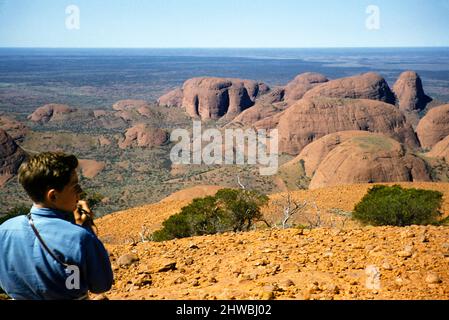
(28, 271)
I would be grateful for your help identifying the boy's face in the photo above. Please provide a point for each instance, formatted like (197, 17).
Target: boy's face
(67, 199)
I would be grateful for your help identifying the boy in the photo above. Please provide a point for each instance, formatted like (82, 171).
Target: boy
(44, 256)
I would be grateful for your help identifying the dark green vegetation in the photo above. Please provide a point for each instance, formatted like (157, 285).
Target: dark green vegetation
(396, 206)
(229, 210)
(14, 212)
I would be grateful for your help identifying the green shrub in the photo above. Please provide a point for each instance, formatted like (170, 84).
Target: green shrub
(228, 210)
(395, 206)
(241, 207)
(16, 211)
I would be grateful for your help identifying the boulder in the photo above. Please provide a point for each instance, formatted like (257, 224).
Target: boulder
(51, 112)
(310, 119)
(410, 93)
(434, 127)
(214, 98)
(365, 86)
(373, 158)
(145, 136)
(296, 89)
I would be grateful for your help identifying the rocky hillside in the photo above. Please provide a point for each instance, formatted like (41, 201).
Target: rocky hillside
(346, 261)
(11, 157)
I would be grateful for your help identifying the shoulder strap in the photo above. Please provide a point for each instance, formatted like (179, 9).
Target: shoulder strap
(42, 242)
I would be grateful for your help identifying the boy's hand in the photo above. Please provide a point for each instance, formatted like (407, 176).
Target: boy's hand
(83, 214)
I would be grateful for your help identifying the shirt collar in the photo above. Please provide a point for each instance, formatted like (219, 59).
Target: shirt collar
(50, 213)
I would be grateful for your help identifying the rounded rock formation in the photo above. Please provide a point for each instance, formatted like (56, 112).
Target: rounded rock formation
(15, 129)
(144, 136)
(410, 93)
(310, 119)
(369, 159)
(313, 154)
(296, 89)
(254, 114)
(50, 112)
(440, 150)
(214, 98)
(91, 168)
(126, 105)
(366, 86)
(172, 98)
(434, 127)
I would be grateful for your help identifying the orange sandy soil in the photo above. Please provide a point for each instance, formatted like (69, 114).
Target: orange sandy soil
(324, 263)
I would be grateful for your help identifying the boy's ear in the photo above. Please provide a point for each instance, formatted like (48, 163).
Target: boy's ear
(51, 195)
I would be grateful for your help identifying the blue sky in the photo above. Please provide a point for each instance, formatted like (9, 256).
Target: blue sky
(219, 23)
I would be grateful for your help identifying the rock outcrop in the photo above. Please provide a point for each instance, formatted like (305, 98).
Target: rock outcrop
(126, 105)
(310, 119)
(15, 129)
(214, 98)
(410, 93)
(366, 86)
(144, 136)
(369, 159)
(127, 108)
(440, 150)
(11, 157)
(275, 95)
(313, 154)
(296, 89)
(172, 98)
(434, 127)
(91, 168)
(51, 112)
(254, 114)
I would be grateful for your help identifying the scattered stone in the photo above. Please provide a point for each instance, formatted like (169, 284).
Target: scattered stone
(406, 253)
(127, 260)
(195, 283)
(143, 280)
(387, 266)
(164, 265)
(180, 280)
(213, 280)
(333, 289)
(433, 278)
(424, 238)
(287, 283)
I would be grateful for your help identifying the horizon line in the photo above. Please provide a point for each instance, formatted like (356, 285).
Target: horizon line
(222, 48)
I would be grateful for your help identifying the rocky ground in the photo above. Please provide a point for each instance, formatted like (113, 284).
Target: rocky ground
(345, 261)
(362, 263)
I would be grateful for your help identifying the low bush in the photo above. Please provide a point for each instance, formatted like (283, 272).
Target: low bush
(396, 206)
(228, 210)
